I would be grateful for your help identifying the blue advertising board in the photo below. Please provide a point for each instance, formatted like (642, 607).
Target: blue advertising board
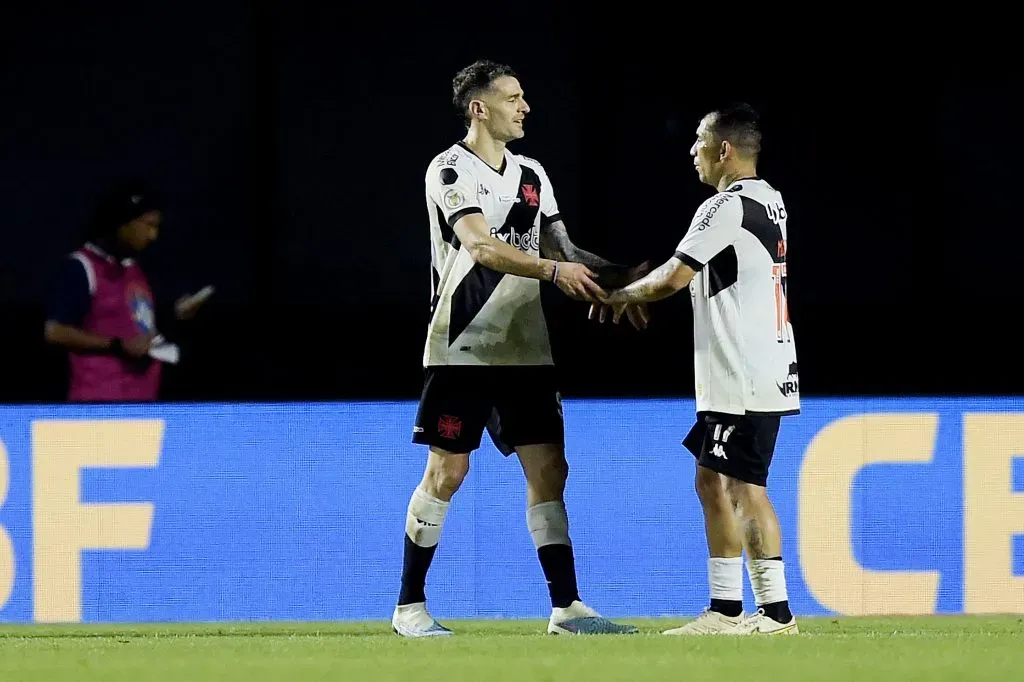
(221, 512)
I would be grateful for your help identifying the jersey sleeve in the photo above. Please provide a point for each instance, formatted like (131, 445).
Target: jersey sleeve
(71, 295)
(452, 186)
(548, 205)
(715, 226)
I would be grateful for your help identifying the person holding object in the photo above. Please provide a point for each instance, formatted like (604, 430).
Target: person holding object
(101, 309)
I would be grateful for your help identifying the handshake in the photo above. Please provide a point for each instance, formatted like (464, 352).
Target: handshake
(580, 283)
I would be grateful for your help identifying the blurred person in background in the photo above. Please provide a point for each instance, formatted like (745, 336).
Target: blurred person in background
(102, 310)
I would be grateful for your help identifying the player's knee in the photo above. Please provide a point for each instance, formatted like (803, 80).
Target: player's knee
(744, 496)
(709, 488)
(444, 474)
(548, 477)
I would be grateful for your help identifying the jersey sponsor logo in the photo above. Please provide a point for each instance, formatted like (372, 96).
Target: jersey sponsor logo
(791, 384)
(453, 198)
(776, 211)
(524, 241)
(448, 176)
(481, 189)
(531, 195)
(705, 220)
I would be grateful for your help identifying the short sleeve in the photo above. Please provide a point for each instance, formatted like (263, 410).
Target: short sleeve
(548, 205)
(452, 186)
(71, 295)
(715, 226)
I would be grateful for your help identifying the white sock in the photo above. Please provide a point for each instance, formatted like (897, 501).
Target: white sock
(725, 578)
(548, 524)
(424, 518)
(767, 580)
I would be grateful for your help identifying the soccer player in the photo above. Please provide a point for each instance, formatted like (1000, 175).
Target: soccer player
(495, 235)
(733, 257)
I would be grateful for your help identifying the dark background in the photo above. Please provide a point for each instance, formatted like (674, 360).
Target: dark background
(291, 143)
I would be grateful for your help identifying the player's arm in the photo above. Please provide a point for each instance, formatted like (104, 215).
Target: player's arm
(575, 279)
(713, 228)
(453, 189)
(662, 282)
(555, 243)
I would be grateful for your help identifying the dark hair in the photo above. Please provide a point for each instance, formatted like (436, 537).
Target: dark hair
(740, 124)
(121, 203)
(470, 81)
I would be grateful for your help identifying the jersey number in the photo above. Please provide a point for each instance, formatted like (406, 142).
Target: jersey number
(782, 327)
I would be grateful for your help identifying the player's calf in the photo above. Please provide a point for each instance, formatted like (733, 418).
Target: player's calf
(549, 528)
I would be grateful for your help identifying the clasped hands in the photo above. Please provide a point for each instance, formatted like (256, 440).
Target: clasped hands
(578, 282)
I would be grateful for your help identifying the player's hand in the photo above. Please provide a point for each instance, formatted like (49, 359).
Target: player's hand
(577, 282)
(636, 313)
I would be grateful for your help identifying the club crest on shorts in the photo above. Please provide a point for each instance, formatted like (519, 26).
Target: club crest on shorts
(448, 426)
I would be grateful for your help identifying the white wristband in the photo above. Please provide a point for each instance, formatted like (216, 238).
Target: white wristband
(554, 273)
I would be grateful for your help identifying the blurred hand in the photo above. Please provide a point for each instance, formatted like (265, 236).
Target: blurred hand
(577, 282)
(137, 346)
(187, 306)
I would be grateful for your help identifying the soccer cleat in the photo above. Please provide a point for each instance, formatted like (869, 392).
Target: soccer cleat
(760, 624)
(413, 620)
(580, 619)
(709, 623)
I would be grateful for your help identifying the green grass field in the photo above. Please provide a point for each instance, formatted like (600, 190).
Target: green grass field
(876, 649)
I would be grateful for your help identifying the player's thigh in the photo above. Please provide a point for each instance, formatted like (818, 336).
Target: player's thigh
(528, 411)
(739, 446)
(453, 409)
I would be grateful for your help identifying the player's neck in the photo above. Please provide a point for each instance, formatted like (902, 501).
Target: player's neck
(735, 174)
(486, 147)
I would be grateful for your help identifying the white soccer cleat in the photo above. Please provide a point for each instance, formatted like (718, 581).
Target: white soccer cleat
(760, 624)
(413, 620)
(709, 623)
(580, 619)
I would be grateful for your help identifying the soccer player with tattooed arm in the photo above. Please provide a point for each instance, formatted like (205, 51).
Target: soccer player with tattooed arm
(495, 235)
(733, 259)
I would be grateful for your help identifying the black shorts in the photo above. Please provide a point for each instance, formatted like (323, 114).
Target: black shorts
(518, 405)
(738, 446)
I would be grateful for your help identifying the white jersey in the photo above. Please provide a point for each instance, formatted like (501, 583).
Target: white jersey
(480, 316)
(744, 350)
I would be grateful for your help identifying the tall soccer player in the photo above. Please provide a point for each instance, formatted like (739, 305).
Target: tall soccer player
(495, 235)
(733, 258)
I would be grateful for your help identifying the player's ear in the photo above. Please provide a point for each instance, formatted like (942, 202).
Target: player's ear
(477, 109)
(724, 150)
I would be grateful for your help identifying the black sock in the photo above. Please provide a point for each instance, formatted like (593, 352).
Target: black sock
(779, 611)
(727, 607)
(560, 572)
(415, 565)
